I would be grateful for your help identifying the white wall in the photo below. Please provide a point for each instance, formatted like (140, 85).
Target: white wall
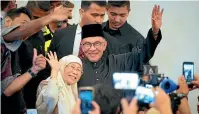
(180, 40)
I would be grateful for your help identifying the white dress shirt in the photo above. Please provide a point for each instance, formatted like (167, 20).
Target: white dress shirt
(78, 38)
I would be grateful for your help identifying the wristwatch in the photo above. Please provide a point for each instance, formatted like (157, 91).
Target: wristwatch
(31, 73)
(181, 95)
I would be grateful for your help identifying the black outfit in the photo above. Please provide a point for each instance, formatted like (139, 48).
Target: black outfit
(102, 71)
(126, 34)
(14, 104)
(25, 58)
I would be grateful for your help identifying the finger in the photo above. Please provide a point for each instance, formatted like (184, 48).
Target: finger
(133, 102)
(183, 79)
(52, 56)
(76, 108)
(49, 55)
(133, 105)
(95, 105)
(39, 59)
(158, 10)
(162, 11)
(179, 80)
(55, 55)
(34, 53)
(153, 12)
(47, 59)
(124, 103)
(40, 63)
(155, 9)
(78, 102)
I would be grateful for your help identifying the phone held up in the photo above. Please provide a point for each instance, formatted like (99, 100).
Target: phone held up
(188, 72)
(86, 94)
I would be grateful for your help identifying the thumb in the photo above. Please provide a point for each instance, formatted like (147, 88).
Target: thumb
(124, 104)
(34, 53)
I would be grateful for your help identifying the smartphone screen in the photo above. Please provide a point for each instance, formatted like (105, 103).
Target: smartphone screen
(31, 111)
(128, 81)
(144, 95)
(86, 97)
(188, 71)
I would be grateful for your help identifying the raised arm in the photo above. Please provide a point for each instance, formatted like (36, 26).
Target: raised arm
(28, 29)
(134, 60)
(9, 88)
(47, 98)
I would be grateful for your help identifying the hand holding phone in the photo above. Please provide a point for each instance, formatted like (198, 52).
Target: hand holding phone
(188, 71)
(144, 95)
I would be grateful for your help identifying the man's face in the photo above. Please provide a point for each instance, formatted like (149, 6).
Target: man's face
(117, 16)
(20, 20)
(93, 48)
(93, 15)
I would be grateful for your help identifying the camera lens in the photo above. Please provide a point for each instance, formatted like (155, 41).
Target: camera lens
(167, 85)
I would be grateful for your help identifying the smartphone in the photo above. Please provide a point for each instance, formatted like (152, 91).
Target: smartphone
(86, 95)
(188, 71)
(144, 95)
(31, 111)
(127, 81)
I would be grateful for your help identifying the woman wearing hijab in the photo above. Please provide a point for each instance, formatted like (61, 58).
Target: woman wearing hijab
(59, 93)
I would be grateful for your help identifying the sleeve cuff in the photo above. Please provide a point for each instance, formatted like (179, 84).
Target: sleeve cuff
(13, 46)
(151, 35)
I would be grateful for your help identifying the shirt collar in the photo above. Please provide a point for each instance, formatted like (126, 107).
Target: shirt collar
(79, 29)
(121, 30)
(95, 64)
(3, 14)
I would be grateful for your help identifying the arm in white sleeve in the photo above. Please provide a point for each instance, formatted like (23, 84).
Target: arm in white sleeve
(47, 97)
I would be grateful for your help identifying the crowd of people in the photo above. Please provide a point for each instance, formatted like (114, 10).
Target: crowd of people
(44, 59)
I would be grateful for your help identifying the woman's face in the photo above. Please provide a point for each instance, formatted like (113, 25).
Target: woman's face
(72, 73)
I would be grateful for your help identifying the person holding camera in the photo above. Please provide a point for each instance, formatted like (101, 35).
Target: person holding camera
(184, 107)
